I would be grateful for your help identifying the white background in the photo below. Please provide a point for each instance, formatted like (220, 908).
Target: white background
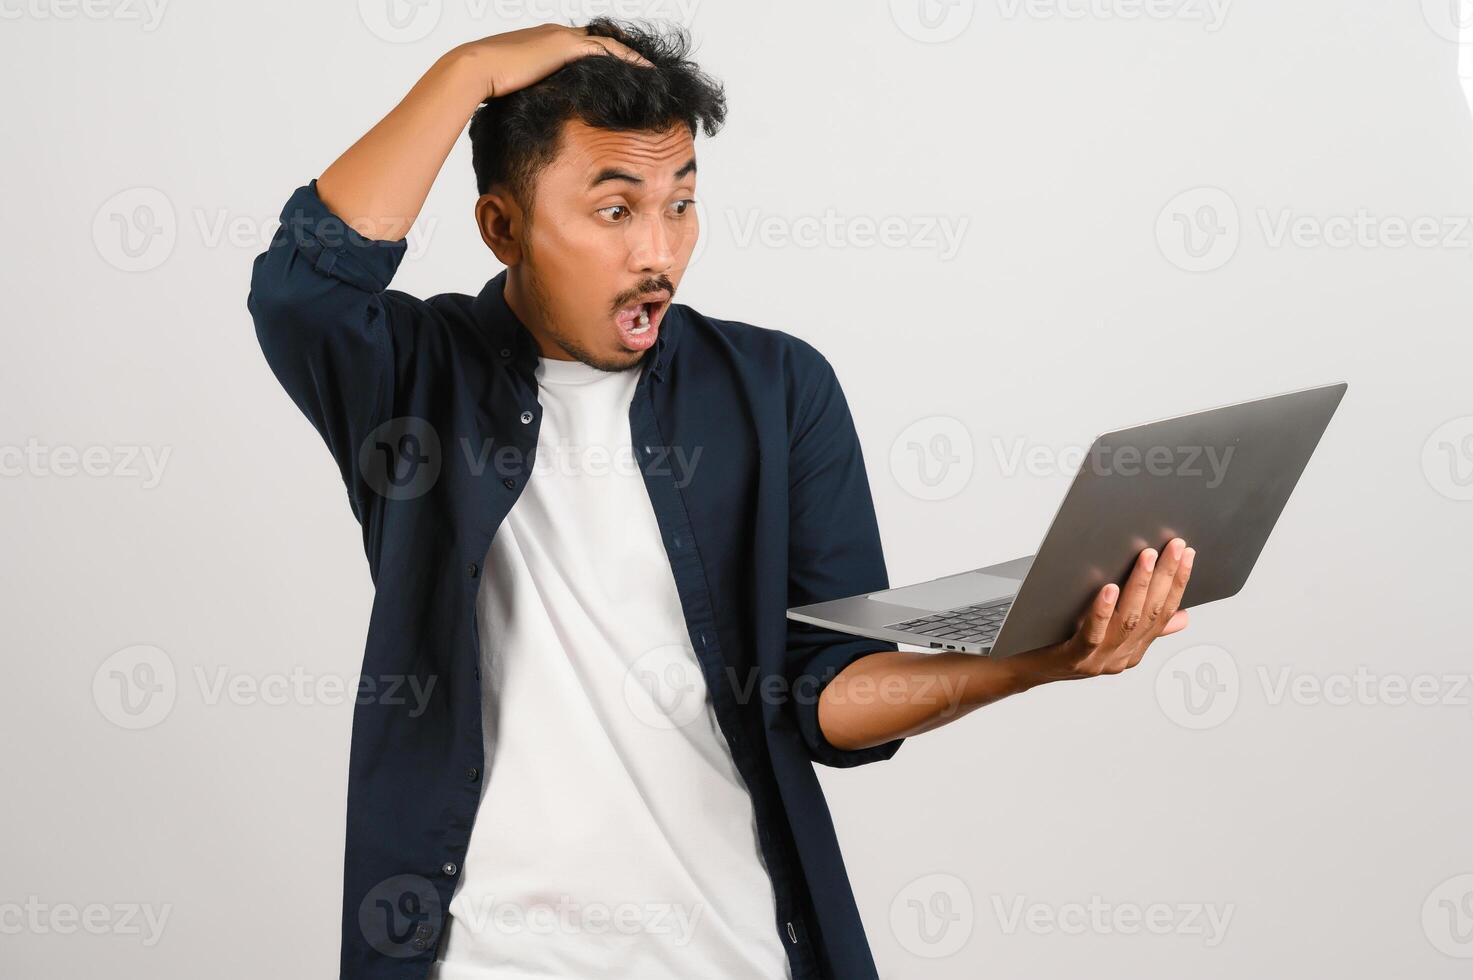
(1064, 140)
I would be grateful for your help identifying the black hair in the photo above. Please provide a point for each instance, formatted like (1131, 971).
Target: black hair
(513, 137)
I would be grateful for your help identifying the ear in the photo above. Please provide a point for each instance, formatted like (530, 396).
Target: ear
(500, 220)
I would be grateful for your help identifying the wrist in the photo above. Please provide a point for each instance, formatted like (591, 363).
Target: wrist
(464, 69)
(987, 679)
(1035, 667)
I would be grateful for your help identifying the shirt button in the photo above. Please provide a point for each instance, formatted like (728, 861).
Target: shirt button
(505, 353)
(526, 417)
(472, 774)
(448, 867)
(509, 483)
(472, 570)
(679, 542)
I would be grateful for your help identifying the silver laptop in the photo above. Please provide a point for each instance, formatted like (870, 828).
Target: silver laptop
(1218, 479)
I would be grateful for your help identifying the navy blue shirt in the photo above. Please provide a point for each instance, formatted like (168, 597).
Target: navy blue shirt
(429, 407)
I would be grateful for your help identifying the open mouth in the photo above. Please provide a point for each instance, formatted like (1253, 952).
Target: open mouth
(639, 323)
(642, 322)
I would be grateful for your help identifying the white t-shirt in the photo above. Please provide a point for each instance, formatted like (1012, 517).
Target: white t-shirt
(615, 837)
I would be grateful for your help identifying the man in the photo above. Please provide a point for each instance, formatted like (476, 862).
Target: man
(611, 771)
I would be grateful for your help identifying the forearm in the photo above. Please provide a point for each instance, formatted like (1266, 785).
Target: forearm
(894, 694)
(890, 695)
(380, 183)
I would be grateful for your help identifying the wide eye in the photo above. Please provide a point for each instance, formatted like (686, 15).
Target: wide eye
(610, 214)
(682, 206)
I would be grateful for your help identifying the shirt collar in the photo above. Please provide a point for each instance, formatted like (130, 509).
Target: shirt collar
(512, 341)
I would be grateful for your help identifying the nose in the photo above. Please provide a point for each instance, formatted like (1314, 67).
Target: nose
(651, 246)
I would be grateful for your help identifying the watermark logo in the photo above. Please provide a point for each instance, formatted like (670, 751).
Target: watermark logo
(1362, 229)
(400, 916)
(1210, 13)
(1098, 917)
(673, 922)
(1451, 20)
(1363, 687)
(1201, 687)
(933, 458)
(136, 687)
(127, 462)
(131, 919)
(1199, 229)
(148, 14)
(580, 11)
(939, 233)
(1447, 458)
(1198, 688)
(569, 458)
(933, 916)
(138, 230)
(400, 21)
(407, 21)
(932, 21)
(227, 228)
(1207, 463)
(401, 459)
(299, 687)
(664, 687)
(135, 230)
(1447, 917)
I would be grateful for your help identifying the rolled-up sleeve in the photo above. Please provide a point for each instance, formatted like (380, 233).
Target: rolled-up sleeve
(322, 313)
(834, 548)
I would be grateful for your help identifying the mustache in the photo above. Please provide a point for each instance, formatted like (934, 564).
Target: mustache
(654, 284)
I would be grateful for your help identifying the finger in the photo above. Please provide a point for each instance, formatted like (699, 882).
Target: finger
(1159, 616)
(1133, 598)
(1096, 624)
(1163, 579)
(1178, 622)
(1179, 584)
(619, 50)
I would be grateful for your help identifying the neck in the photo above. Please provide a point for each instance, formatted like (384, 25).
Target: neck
(522, 298)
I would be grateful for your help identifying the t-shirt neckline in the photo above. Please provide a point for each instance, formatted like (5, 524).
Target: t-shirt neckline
(572, 372)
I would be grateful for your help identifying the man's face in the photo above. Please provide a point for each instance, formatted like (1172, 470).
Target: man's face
(612, 228)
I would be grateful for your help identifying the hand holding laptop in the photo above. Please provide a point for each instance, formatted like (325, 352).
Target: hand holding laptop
(1121, 624)
(1093, 597)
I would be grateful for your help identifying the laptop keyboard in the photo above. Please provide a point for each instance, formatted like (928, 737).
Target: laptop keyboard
(965, 624)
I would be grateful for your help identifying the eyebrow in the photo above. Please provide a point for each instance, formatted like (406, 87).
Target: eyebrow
(613, 173)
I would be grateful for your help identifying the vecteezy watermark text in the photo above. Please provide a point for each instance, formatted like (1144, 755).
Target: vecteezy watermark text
(1201, 920)
(146, 13)
(674, 922)
(1200, 230)
(126, 462)
(938, 233)
(1211, 14)
(132, 919)
(1103, 459)
(137, 688)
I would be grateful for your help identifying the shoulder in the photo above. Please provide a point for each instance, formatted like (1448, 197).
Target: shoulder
(772, 364)
(773, 352)
(452, 307)
(442, 319)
